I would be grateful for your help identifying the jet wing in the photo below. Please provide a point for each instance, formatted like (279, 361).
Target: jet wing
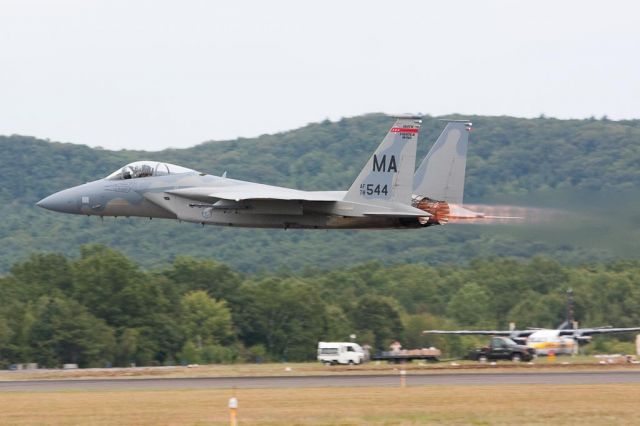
(254, 191)
(511, 333)
(596, 330)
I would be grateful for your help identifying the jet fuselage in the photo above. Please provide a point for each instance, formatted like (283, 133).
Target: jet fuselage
(148, 197)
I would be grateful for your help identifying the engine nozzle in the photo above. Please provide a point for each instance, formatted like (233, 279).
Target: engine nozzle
(439, 210)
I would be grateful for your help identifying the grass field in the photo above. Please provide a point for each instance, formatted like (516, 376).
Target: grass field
(448, 405)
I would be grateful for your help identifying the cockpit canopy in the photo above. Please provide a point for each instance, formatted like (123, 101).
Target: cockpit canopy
(141, 169)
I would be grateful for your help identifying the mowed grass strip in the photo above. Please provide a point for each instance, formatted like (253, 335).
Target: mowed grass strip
(448, 405)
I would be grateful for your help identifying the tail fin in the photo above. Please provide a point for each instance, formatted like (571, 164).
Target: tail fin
(387, 177)
(441, 173)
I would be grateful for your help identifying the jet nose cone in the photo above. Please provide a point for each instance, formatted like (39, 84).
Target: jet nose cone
(59, 202)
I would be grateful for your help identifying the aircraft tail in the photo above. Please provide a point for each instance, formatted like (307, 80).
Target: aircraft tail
(438, 184)
(569, 322)
(387, 176)
(440, 176)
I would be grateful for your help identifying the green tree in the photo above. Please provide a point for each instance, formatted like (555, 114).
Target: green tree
(127, 347)
(379, 316)
(538, 310)
(205, 320)
(470, 306)
(190, 354)
(41, 274)
(217, 279)
(114, 288)
(287, 316)
(339, 326)
(6, 338)
(65, 332)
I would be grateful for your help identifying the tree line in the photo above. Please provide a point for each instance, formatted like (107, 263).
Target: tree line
(102, 309)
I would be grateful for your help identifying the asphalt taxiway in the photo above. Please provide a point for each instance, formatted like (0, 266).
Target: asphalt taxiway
(480, 379)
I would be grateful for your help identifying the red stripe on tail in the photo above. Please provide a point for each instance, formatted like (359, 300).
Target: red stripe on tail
(403, 130)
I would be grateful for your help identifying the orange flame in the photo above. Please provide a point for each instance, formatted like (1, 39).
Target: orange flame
(506, 214)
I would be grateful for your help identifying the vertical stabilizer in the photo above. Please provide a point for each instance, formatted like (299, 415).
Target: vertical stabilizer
(570, 322)
(388, 175)
(440, 176)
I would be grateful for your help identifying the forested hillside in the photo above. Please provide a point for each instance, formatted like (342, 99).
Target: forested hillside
(103, 309)
(588, 167)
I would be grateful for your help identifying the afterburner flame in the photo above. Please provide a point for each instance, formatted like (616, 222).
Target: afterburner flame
(439, 210)
(442, 212)
(506, 214)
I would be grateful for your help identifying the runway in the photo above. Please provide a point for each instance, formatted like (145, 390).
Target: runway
(481, 379)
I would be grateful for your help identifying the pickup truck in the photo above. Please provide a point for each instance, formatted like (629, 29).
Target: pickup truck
(502, 348)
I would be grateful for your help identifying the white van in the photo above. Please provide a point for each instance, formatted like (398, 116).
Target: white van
(332, 353)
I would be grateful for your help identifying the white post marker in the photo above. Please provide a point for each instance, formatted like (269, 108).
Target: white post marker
(403, 378)
(233, 411)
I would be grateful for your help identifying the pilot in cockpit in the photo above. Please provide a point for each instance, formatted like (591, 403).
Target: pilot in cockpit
(142, 169)
(137, 171)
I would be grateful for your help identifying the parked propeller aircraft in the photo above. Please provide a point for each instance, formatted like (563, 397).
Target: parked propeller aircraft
(386, 193)
(566, 339)
(545, 340)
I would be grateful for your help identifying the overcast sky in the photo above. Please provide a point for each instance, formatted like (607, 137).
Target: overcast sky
(156, 74)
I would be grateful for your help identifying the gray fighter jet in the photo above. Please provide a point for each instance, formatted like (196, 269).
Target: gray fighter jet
(386, 193)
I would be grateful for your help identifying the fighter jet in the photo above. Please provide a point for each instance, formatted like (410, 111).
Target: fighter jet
(566, 339)
(386, 193)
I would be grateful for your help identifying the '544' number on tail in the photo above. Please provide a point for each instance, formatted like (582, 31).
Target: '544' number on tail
(373, 189)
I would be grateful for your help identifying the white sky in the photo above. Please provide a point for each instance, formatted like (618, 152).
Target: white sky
(156, 74)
